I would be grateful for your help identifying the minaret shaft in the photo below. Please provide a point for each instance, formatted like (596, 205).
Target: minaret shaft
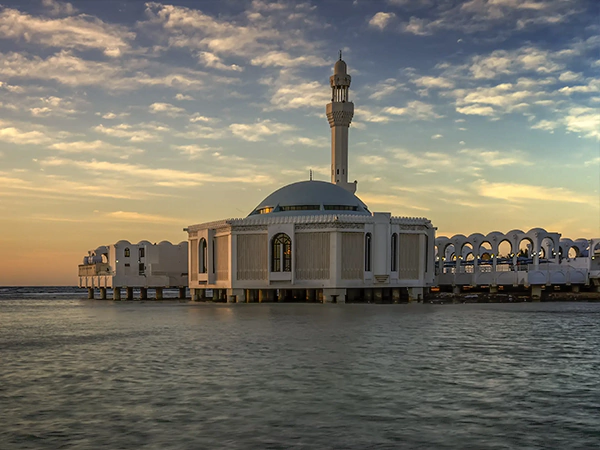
(339, 114)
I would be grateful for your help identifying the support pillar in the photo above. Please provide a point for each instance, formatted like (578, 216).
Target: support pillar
(143, 293)
(369, 295)
(158, 293)
(339, 295)
(91, 293)
(116, 293)
(281, 296)
(102, 293)
(195, 294)
(378, 295)
(311, 295)
(536, 293)
(456, 290)
(181, 293)
(396, 295)
(493, 289)
(575, 288)
(129, 293)
(415, 293)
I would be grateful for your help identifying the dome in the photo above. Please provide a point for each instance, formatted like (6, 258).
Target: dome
(340, 67)
(310, 198)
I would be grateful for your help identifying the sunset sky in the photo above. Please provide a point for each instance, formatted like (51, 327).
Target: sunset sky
(131, 120)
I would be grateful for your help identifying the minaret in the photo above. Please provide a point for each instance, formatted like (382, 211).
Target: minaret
(339, 115)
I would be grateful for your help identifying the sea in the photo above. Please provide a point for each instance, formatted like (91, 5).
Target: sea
(92, 374)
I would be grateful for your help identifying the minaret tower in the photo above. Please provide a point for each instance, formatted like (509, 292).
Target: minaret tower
(339, 115)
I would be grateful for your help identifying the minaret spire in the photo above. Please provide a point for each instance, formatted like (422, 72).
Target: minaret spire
(339, 114)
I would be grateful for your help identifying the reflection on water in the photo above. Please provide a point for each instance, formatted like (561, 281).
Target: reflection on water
(91, 374)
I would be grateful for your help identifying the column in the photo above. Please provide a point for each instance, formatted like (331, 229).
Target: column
(143, 293)
(378, 295)
(158, 293)
(116, 293)
(311, 295)
(415, 293)
(129, 293)
(536, 293)
(281, 296)
(369, 295)
(396, 295)
(102, 293)
(182, 293)
(91, 293)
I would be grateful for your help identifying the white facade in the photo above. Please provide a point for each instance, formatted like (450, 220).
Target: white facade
(142, 265)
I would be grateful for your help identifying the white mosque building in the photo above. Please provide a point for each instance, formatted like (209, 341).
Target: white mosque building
(314, 240)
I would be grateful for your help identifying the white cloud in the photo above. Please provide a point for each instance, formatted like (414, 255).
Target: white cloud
(520, 192)
(381, 20)
(129, 132)
(309, 142)
(569, 76)
(166, 109)
(259, 130)
(284, 59)
(437, 136)
(75, 32)
(293, 93)
(434, 82)
(584, 120)
(112, 115)
(213, 61)
(96, 147)
(193, 151)
(384, 89)
(59, 8)
(182, 97)
(132, 216)
(476, 110)
(415, 109)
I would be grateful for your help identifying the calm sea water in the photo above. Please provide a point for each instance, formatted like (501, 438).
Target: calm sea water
(79, 374)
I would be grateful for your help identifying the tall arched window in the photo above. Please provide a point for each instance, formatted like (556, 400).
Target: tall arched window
(281, 253)
(394, 252)
(127, 252)
(368, 252)
(202, 255)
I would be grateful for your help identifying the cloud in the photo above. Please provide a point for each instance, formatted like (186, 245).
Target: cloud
(495, 158)
(112, 115)
(584, 120)
(259, 130)
(75, 32)
(373, 160)
(96, 147)
(193, 151)
(182, 97)
(385, 88)
(434, 82)
(521, 192)
(59, 8)
(381, 20)
(164, 176)
(309, 142)
(213, 61)
(476, 110)
(129, 132)
(22, 137)
(166, 109)
(414, 110)
(132, 216)
(437, 136)
(293, 93)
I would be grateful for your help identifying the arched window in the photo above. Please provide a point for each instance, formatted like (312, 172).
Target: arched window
(202, 255)
(281, 253)
(127, 252)
(368, 252)
(394, 252)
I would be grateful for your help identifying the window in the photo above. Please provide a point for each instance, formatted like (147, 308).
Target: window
(127, 252)
(281, 253)
(203, 256)
(266, 210)
(394, 252)
(368, 252)
(300, 208)
(340, 208)
(142, 252)
(127, 264)
(142, 268)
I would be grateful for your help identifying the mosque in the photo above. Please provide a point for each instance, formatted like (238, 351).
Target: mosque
(314, 240)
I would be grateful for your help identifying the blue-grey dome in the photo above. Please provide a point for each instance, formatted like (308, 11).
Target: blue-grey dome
(311, 197)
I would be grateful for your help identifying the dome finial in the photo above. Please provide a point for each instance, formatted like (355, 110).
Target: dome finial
(340, 55)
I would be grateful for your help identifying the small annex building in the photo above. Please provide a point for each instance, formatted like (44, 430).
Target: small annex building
(141, 266)
(314, 240)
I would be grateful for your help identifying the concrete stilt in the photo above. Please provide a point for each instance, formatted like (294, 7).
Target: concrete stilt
(311, 295)
(102, 293)
(456, 290)
(415, 293)
(536, 293)
(158, 293)
(91, 293)
(143, 293)
(378, 295)
(493, 289)
(396, 295)
(281, 296)
(128, 293)
(182, 293)
(575, 288)
(369, 295)
(116, 293)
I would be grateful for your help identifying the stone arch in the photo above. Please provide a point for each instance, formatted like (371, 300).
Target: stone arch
(281, 253)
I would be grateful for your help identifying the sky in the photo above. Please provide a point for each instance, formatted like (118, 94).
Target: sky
(132, 120)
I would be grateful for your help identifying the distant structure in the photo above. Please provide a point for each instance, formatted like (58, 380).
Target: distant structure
(141, 266)
(314, 240)
(536, 259)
